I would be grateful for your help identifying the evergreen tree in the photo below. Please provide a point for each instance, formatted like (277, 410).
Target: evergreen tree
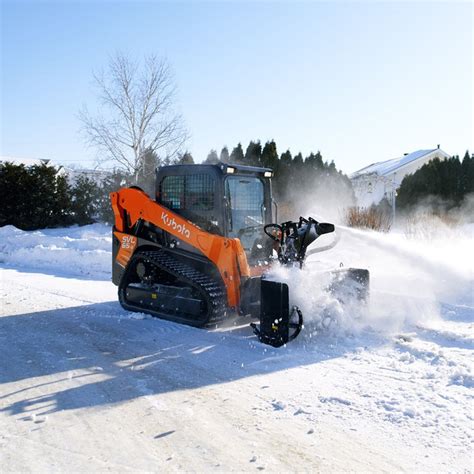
(116, 180)
(310, 162)
(146, 174)
(298, 177)
(467, 180)
(224, 157)
(282, 175)
(212, 158)
(314, 162)
(85, 200)
(35, 197)
(253, 154)
(318, 161)
(284, 165)
(53, 198)
(446, 179)
(186, 159)
(298, 161)
(270, 156)
(237, 155)
(286, 159)
(16, 185)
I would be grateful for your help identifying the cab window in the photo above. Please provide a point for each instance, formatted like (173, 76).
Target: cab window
(193, 192)
(193, 197)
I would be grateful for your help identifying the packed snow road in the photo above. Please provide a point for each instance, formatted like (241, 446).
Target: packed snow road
(86, 386)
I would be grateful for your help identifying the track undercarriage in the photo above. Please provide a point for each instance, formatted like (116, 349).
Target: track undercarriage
(157, 283)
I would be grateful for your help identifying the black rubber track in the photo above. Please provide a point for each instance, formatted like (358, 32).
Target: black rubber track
(211, 291)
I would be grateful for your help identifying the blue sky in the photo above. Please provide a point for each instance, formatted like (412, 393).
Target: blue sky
(362, 82)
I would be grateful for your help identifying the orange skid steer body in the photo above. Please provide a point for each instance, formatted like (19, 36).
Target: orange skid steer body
(198, 251)
(226, 254)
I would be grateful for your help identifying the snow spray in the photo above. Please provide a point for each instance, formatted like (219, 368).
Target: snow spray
(410, 278)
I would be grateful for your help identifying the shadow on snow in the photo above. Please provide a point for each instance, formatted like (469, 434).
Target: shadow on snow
(97, 355)
(55, 272)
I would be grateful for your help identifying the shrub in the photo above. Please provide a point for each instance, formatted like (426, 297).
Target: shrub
(39, 196)
(85, 197)
(374, 218)
(34, 197)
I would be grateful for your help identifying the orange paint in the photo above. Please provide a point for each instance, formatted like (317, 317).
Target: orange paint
(128, 244)
(226, 253)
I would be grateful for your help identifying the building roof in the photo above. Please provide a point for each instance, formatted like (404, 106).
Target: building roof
(383, 168)
(25, 161)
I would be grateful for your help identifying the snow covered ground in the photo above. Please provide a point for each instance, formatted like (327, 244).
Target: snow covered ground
(86, 386)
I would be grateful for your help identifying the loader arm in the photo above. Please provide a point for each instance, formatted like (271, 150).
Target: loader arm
(131, 205)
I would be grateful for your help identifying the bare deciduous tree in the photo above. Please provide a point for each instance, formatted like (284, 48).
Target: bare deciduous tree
(137, 114)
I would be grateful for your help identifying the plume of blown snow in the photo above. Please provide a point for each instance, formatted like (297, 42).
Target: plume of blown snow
(410, 278)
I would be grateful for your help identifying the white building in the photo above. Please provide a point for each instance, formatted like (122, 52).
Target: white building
(98, 176)
(378, 180)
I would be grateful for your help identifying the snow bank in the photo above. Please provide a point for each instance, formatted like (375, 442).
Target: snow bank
(73, 251)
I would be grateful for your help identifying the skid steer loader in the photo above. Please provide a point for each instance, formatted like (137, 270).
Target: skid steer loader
(199, 251)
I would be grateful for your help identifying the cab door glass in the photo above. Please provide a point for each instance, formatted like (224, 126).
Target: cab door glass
(245, 209)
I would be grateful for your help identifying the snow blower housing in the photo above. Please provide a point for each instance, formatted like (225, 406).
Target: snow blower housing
(199, 251)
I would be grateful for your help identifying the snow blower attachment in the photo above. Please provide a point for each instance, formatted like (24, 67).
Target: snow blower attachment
(202, 248)
(277, 325)
(293, 238)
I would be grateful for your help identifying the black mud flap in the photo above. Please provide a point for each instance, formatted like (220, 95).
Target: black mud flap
(277, 326)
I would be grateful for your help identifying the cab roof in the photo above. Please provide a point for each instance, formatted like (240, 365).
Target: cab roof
(224, 168)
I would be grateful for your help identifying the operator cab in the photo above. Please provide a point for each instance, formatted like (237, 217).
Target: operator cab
(228, 200)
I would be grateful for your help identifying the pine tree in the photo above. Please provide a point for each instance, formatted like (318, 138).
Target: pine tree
(186, 159)
(298, 176)
(445, 179)
(146, 174)
(270, 156)
(467, 179)
(310, 162)
(52, 197)
(318, 161)
(35, 197)
(314, 162)
(237, 155)
(253, 154)
(85, 200)
(61, 214)
(16, 194)
(286, 159)
(298, 161)
(116, 180)
(212, 158)
(224, 156)
(282, 175)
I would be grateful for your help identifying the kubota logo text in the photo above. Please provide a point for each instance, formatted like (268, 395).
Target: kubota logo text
(170, 222)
